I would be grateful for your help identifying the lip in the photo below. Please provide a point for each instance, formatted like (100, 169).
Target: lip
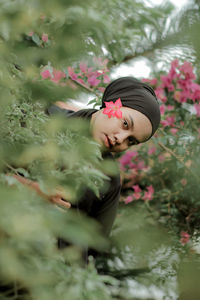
(108, 142)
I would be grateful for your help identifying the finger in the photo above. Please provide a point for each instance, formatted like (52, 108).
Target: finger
(59, 201)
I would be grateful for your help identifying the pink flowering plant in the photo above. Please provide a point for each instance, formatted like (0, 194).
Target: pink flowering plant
(92, 78)
(168, 172)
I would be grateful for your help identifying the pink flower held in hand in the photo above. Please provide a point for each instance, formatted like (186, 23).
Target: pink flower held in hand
(185, 237)
(45, 37)
(113, 109)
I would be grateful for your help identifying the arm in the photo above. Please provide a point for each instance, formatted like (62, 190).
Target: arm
(56, 198)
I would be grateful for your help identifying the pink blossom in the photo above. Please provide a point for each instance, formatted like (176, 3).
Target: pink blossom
(169, 121)
(45, 37)
(106, 78)
(128, 199)
(173, 130)
(160, 94)
(72, 74)
(195, 88)
(162, 109)
(137, 192)
(149, 194)
(80, 80)
(152, 150)
(45, 74)
(101, 89)
(170, 107)
(57, 75)
(93, 81)
(127, 157)
(172, 73)
(153, 81)
(197, 108)
(83, 67)
(167, 82)
(141, 165)
(183, 181)
(31, 33)
(113, 109)
(187, 70)
(185, 237)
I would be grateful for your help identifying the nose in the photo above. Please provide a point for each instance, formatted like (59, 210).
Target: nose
(121, 137)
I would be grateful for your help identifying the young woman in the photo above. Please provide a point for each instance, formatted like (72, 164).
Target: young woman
(115, 129)
(135, 122)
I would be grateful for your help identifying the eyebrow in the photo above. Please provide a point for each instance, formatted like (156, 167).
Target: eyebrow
(132, 126)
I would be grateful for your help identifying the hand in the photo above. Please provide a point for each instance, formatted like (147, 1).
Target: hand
(58, 198)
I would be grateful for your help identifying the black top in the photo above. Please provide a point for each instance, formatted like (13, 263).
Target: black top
(102, 209)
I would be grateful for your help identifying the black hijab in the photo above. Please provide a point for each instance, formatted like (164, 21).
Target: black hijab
(134, 94)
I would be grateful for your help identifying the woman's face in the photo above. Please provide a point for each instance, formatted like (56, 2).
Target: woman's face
(117, 135)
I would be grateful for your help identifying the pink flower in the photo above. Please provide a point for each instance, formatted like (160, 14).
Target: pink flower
(141, 165)
(170, 107)
(45, 37)
(57, 75)
(31, 33)
(187, 70)
(153, 81)
(71, 73)
(183, 181)
(149, 194)
(45, 74)
(172, 73)
(137, 192)
(152, 150)
(169, 121)
(185, 237)
(101, 89)
(197, 108)
(128, 199)
(93, 81)
(106, 78)
(167, 82)
(113, 109)
(174, 131)
(162, 109)
(160, 94)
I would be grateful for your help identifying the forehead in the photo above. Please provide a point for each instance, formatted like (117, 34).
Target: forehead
(142, 127)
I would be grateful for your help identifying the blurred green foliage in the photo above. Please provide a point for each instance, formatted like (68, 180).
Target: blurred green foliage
(56, 152)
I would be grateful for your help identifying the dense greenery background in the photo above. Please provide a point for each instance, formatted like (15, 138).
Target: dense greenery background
(153, 251)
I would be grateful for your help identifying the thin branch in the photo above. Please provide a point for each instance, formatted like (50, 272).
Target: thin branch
(177, 158)
(84, 86)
